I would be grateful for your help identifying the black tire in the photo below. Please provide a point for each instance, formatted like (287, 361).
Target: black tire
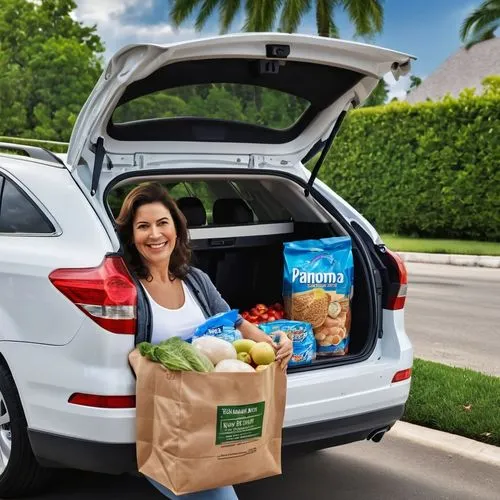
(23, 475)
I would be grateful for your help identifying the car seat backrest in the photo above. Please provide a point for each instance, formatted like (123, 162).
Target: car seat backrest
(231, 211)
(193, 210)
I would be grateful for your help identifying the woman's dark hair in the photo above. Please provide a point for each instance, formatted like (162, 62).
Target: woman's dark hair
(143, 194)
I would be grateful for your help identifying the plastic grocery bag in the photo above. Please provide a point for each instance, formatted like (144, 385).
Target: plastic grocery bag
(220, 325)
(197, 431)
(317, 288)
(301, 335)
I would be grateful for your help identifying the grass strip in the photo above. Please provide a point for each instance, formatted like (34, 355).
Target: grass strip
(407, 244)
(455, 400)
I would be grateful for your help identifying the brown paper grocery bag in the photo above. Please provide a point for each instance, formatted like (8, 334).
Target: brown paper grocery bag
(197, 431)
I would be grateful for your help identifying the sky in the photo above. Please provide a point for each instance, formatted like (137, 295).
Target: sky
(427, 29)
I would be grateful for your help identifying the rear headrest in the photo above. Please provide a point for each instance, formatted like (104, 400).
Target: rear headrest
(231, 211)
(193, 210)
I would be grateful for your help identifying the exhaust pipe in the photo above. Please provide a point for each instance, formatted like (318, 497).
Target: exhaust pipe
(376, 436)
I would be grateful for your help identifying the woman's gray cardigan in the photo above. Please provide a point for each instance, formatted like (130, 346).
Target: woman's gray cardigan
(204, 291)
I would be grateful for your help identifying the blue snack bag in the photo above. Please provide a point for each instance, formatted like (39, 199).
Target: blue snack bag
(300, 333)
(317, 289)
(220, 325)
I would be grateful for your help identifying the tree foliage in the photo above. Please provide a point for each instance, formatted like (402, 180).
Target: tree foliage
(481, 23)
(367, 16)
(379, 94)
(49, 64)
(430, 169)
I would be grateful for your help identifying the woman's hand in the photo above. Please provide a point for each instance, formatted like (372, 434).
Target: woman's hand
(284, 349)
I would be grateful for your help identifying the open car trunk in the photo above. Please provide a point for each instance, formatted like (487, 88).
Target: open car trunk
(249, 270)
(238, 224)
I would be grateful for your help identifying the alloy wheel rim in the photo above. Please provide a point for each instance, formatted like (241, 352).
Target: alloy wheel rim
(5, 435)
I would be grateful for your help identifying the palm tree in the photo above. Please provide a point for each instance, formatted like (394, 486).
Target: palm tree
(482, 23)
(261, 15)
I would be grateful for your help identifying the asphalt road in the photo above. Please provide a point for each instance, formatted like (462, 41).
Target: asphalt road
(395, 469)
(453, 315)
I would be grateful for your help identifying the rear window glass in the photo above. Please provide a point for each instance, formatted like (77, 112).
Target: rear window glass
(217, 202)
(244, 103)
(18, 214)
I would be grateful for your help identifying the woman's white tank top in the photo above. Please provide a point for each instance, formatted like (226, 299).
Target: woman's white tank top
(180, 322)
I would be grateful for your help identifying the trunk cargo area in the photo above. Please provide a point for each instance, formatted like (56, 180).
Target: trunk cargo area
(238, 225)
(249, 270)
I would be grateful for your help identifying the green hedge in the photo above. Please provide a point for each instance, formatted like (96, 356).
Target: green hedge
(430, 169)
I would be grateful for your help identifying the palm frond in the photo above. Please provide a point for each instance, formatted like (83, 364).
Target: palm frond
(334, 30)
(292, 13)
(205, 12)
(484, 18)
(261, 14)
(324, 17)
(228, 11)
(477, 37)
(270, 14)
(252, 13)
(367, 15)
(181, 10)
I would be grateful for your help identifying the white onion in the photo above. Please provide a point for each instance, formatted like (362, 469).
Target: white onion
(233, 365)
(214, 348)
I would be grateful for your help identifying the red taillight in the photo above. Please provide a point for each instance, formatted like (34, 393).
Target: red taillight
(97, 401)
(402, 375)
(397, 293)
(106, 293)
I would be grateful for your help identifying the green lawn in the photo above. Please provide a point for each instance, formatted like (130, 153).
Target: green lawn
(407, 244)
(455, 400)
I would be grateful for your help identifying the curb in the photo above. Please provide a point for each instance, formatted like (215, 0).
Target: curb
(450, 443)
(452, 259)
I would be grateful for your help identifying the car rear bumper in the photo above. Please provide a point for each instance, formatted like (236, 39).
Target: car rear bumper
(52, 450)
(340, 431)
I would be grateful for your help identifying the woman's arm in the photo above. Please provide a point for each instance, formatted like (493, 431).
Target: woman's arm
(250, 331)
(216, 304)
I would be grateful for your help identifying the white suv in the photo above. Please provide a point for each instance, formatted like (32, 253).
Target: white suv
(70, 312)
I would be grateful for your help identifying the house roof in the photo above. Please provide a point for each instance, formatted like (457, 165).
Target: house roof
(464, 69)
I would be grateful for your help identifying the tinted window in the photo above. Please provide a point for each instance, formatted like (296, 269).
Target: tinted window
(261, 207)
(18, 214)
(234, 102)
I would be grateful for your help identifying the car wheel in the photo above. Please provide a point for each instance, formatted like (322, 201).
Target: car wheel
(20, 473)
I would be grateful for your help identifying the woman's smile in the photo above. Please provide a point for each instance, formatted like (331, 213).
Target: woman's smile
(157, 246)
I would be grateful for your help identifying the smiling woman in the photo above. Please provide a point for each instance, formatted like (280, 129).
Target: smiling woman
(155, 238)
(153, 229)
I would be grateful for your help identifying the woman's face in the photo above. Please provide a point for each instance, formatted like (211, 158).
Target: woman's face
(154, 233)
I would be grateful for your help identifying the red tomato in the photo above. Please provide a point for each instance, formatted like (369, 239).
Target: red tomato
(253, 318)
(254, 311)
(271, 318)
(261, 307)
(278, 306)
(264, 316)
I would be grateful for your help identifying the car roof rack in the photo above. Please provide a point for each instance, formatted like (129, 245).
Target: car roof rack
(35, 152)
